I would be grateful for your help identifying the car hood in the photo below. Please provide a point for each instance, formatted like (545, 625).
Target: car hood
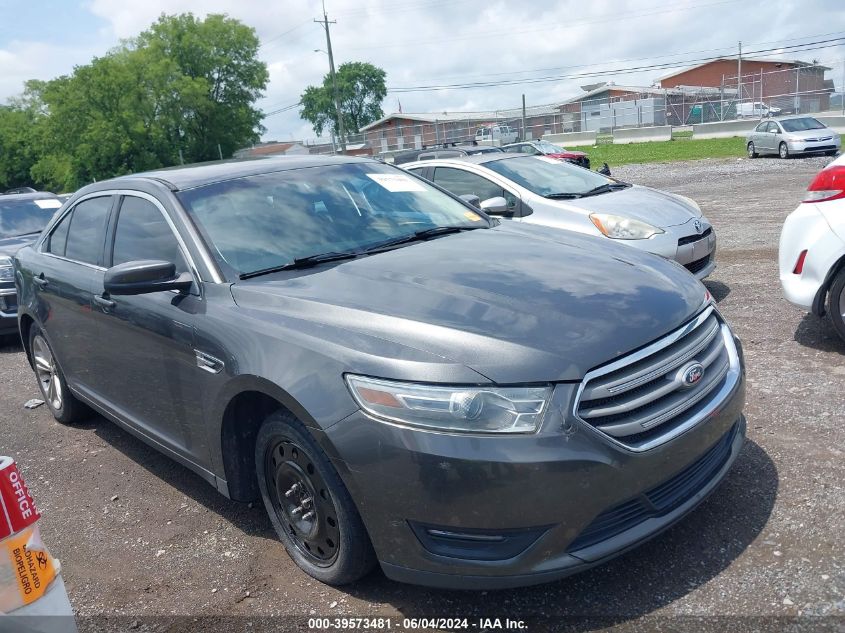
(805, 134)
(514, 303)
(11, 245)
(658, 208)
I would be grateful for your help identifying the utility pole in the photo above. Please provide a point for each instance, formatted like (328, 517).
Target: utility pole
(842, 87)
(739, 78)
(325, 22)
(523, 117)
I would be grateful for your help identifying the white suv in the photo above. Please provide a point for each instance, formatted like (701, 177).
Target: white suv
(812, 247)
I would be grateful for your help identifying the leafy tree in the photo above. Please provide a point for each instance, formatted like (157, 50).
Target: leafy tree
(361, 89)
(175, 92)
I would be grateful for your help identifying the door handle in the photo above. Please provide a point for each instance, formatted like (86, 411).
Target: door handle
(40, 281)
(104, 302)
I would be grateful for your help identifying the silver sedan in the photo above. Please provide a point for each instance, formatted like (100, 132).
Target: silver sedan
(551, 192)
(791, 136)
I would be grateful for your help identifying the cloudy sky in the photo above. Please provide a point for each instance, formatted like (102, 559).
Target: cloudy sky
(562, 43)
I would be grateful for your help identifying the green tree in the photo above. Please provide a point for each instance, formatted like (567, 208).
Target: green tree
(361, 89)
(178, 90)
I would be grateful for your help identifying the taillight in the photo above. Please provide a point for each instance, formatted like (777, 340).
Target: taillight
(829, 184)
(799, 264)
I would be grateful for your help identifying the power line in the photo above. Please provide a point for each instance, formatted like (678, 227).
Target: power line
(618, 71)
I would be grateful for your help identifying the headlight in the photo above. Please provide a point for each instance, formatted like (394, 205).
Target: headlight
(6, 273)
(452, 408)
(621, 228)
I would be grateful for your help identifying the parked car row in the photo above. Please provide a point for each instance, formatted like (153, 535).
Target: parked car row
(401, 377)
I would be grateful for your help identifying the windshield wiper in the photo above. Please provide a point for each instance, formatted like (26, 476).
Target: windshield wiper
(562, 196)
(615, 186)
(303, 262)
(420, 236)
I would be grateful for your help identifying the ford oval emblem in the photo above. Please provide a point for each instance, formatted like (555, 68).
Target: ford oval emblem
(692, 374)
(697, 225)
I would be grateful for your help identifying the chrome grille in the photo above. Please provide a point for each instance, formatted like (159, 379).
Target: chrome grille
(642, 400)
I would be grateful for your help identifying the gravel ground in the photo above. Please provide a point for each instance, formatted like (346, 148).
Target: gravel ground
(140, 536)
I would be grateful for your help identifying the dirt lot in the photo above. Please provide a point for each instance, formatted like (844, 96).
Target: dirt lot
(141, 536)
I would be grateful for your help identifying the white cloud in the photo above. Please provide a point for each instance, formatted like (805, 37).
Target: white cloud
(423, 42)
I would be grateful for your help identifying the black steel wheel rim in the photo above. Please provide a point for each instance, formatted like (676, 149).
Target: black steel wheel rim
(302, 501)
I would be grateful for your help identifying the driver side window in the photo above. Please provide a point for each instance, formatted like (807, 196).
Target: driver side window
(461, 182)
(143, 233)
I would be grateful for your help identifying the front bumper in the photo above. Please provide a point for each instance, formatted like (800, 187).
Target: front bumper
(520, 506)
(827, 143)
(806, 229)
(8, 311)
(694, 249)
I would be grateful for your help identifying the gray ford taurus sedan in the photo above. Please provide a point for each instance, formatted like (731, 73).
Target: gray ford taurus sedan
(400, 378)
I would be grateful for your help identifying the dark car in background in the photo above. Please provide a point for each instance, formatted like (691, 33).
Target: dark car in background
(401, 378)
(447, 151)
(545, 148)
(23, 215)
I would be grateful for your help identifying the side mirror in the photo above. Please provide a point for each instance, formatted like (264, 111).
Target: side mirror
(495, 206)
(472, 199)
(143, 277)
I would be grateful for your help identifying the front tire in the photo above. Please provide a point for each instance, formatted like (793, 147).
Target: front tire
(51, 381)
(310, 508)
(752, 152)
(783, 150)
(836, 303)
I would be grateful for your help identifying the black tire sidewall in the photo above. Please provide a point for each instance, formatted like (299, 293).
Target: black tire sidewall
(751, 150)
(355, 557)
(837, 288)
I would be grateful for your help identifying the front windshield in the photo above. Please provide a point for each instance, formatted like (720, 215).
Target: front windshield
(550, 148)
(269, 220)
(22, 217)
(800, 125)
(549, 176)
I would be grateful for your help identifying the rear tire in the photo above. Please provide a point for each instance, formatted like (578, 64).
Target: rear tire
(783, 150)
(310, 508)
(752, 152)
(51, 381)
(836, 303)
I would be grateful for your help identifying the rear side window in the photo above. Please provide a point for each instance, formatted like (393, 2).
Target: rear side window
(143, 233)
(58, 238)
(88, 230)
(461, 182)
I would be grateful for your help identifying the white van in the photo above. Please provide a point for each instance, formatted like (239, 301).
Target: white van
(495, 135)
(757, 110)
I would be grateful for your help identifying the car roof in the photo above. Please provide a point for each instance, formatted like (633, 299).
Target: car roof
(191, 176)
(795, 116)
(476, 159)
(38, 195)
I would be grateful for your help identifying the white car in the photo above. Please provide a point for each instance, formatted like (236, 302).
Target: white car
(558, 194)
(756, 109)
(812, 248)
(495, 135)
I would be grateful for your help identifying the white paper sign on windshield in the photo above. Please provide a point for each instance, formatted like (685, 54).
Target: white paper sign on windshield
(553, 161)
(48, 204)
(397, 183)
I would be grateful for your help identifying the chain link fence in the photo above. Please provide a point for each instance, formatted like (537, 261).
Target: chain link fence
(793, 90)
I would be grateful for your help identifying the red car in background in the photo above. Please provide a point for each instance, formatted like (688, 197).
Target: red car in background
(544, 148)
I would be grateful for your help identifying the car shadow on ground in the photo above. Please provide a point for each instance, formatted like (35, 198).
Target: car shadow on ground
(719, 290)
(10, 344)
(648, 578)
(252, 521)
(818, 333)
